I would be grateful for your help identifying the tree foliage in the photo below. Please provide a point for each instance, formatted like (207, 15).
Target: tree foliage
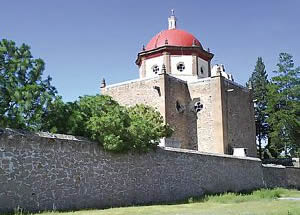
(259, 83)
(102, 119)
(29, 102)
(146, 127)
(283, 108)
(62, 117)
(106, 122)
(24, 95)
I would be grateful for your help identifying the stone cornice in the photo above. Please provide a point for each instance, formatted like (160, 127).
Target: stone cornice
(174, 50)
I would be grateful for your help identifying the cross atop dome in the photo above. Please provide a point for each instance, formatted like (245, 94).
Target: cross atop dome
(172, 20)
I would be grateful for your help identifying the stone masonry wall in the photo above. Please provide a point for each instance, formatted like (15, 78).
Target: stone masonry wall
(65, 173)
(169, 91)
(280, 176)
(137, 92)
(208, 125)
(275, 176)
(239, 111)
(183, 122)
(226, 120)
(293, 177)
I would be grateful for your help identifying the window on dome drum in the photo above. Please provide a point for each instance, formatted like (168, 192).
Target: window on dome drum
(155, 69)
(180, 67)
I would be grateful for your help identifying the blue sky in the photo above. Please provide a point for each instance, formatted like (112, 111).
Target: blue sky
(84, 41)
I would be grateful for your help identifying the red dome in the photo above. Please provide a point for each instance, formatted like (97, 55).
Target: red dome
(175, 37)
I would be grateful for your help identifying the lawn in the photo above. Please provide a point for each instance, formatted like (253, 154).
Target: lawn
(262, 202)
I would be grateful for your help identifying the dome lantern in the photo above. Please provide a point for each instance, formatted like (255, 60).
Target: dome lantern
(172, 20)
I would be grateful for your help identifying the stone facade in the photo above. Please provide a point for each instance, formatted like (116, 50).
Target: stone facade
(210, 120)
(58, 172)
(240, 122)
(179, 112)
(225, 121)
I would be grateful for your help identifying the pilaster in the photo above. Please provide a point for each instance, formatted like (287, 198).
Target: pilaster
(163, 91)
(143, 68)
(220, 111)
(194, 65)
(167, 62)
(209, 68)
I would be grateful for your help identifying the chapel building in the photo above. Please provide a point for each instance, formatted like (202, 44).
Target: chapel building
(208, 111)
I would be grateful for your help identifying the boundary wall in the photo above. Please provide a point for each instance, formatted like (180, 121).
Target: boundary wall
(280, 176)
(59, 172)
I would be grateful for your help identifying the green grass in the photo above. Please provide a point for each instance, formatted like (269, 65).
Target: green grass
(240, 197)
(261, 202)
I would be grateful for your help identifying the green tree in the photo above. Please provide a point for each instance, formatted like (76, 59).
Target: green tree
(24, 95)
(283, 108)
(63, 118)
(106, 122)
(259, 82)
(99, 118)
(147, 127)
(102, 119)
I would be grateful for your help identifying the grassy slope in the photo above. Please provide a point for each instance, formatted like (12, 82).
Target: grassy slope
(263, 202)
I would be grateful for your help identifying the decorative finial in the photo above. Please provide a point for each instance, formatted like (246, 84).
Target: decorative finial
(172, 20)
(166, 42)
(208, 50)
(143, 48)
(249, 85)
(103, 84)
(163, 69)
(194, 43)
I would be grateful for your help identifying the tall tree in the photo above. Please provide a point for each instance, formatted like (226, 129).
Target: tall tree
(259, 82)
(284, 108)
(24, 95)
